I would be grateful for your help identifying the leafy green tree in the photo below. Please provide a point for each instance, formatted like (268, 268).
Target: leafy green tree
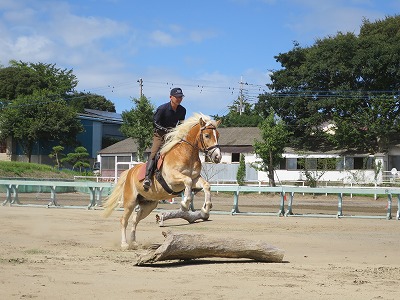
(241, 173)
(138, 124)
(48, 77)
(39, 117)
(369, 123)
(81, 100)
(274, 138)
(57, 154)
(248, 117)
(15, 82)
(78, 159)
(347, 80)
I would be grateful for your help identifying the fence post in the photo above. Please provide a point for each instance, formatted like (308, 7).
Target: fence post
(289, 211)
(281, 211)
(389, 207)
(53, 200)
(340, 205)
(235, 208)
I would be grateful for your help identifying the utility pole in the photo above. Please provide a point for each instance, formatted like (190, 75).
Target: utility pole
(241, 96)
(141, 86)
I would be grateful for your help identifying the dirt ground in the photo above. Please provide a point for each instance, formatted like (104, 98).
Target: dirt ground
(60, 253)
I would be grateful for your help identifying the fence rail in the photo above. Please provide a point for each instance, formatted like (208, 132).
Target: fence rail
(95, 189)
(292, 190)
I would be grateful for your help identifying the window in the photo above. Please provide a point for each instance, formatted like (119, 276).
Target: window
(282, 164)
(108, 162)
(291, 163)
(3, 146)
(311, 164)
(359, 163)
(123, 159)
(235, 157)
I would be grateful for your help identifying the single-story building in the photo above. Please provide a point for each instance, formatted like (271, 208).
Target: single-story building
(343, 166)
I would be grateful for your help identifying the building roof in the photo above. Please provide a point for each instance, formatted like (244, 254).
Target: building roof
(103, 116)
(236, 137)
(126, 146)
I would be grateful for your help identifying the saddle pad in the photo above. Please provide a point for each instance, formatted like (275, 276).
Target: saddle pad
(142, 172)
(160, 162)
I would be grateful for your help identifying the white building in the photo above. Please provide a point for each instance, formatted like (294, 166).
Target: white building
(344, 167)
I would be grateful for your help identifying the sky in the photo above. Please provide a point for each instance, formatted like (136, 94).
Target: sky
(212, 49)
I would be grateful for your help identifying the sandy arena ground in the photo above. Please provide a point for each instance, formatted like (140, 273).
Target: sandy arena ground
(58, 253)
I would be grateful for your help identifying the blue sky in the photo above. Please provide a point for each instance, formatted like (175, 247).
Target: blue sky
(205, 47)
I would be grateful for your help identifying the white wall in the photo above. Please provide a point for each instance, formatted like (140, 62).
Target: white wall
(346, 176)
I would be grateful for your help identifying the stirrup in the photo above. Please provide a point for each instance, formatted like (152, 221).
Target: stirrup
(146, 183)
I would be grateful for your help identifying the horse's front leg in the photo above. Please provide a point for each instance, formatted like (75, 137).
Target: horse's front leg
(202, 183)
(187, 196)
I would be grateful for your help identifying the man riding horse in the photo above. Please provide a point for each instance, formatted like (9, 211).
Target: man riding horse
(167, 116)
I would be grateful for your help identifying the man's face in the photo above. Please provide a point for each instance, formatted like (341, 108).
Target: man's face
(176, 99)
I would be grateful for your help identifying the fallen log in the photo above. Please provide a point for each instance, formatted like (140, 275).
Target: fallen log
(186, 247)
(190, 216)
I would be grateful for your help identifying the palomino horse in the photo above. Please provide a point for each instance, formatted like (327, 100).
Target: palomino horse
(181, 170)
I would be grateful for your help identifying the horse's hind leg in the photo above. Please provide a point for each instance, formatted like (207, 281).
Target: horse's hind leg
(124, 223)
(144, 208)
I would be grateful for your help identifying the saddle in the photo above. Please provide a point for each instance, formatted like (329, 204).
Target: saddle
(157, 174)
(142, 167)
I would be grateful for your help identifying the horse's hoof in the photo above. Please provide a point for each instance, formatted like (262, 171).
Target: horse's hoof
(184, 206)
(134, 246)
(124, 246)
(160, 220)
(204, 214)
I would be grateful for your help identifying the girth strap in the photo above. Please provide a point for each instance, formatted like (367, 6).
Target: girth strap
(165, 186)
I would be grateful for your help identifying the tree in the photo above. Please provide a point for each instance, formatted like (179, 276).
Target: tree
(274, 138)
(15, 82)
(347, 80)
(81, 100)
(78, 159)
(47, 77)
(248, 117)
(57, 154)
(241, 173)
(33, 106)
(368, 123)
(138, 124)
(41, 117)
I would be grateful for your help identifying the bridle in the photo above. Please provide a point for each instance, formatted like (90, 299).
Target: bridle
(208, 151)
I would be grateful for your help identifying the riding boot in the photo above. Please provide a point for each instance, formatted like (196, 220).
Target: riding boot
(149, 174)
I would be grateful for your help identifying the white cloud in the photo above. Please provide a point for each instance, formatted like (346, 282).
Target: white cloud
(161, 38)
(319, 19)
(201, 35)
(79, 31)
(32, 47)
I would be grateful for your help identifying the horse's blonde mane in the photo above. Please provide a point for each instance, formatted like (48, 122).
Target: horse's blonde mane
(182, 130)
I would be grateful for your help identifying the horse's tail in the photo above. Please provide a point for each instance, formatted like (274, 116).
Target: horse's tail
(112, 201)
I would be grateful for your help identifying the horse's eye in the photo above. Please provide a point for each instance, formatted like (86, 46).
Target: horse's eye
(207, 136)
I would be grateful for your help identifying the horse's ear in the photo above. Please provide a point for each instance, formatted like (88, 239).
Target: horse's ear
(218, 122)
(202, 123)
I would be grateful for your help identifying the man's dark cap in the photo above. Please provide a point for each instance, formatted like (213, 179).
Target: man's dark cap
(177, 92)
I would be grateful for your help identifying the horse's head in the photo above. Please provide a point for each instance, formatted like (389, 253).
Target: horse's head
(208, 137)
